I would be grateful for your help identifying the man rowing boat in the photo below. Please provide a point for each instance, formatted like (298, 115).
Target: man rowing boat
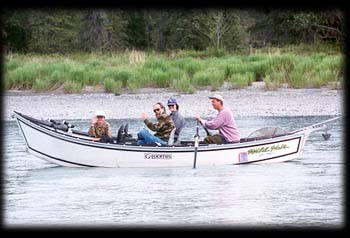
(224, 122)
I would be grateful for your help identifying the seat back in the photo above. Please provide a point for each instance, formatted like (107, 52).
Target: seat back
(171, 137)
(120, 133)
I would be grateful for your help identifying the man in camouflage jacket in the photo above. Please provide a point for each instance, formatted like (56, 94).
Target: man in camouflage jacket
(162, 127)
(100, 129)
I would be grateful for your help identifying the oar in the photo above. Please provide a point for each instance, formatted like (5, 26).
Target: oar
(196, 141)
(206, 130)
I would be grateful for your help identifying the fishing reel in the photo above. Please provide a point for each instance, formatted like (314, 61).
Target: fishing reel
(326, 135)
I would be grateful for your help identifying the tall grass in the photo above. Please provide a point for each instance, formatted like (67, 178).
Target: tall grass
(184, 71)
(72, 87)
(212, 77)
(241, 80)
(183, 84)
(109, 85)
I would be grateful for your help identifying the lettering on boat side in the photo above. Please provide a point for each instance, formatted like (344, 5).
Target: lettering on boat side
(158, 156)
(268, 149)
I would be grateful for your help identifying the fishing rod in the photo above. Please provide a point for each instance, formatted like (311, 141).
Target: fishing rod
(317, 125)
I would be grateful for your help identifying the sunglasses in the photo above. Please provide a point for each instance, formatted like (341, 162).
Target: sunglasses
(100, 116)
(156, 110)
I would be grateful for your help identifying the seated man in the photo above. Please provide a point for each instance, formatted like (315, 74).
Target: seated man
(162, 127)
(177, 118)
(100, 129)
(224, 122)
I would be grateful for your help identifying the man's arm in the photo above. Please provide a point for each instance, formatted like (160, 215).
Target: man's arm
(91, 131)
(109, 131)
(215, 123)
(153, 126)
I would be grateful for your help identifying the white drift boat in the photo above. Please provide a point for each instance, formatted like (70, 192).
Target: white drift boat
(60, 144)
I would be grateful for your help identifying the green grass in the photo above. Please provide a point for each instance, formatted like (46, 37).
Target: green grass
(117, 90)
(184, 71)
(182, 84)
(72, 87)
(241, 80)
(109, 85)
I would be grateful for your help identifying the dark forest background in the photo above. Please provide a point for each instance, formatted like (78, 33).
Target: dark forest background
(47, 30)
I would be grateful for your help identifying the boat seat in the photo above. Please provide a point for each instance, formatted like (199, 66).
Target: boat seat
(120, 133)
(171, 137)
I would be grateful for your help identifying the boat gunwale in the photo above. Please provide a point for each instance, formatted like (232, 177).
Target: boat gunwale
(139, 148)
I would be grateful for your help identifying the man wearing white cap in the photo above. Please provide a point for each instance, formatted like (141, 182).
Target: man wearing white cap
(100, 129)
(224, 122)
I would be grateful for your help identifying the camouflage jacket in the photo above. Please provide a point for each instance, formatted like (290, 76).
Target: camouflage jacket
(100, 131)
(162, 127)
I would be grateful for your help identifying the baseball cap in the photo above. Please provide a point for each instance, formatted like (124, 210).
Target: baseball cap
(217, 97)
(100, 113)
(172, 101)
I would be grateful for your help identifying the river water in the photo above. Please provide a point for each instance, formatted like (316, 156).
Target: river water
(305, 192)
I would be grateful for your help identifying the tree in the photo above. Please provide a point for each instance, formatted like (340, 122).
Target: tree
(116, 29)
(280, 27)
(103, 30)
(15, 32)
(53, 31)
(94, 36)
(136, 29)
(220, 27)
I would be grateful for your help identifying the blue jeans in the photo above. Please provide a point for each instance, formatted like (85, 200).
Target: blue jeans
(147, 138)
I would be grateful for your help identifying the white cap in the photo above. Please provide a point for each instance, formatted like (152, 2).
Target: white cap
(100, 113)
(217, 97)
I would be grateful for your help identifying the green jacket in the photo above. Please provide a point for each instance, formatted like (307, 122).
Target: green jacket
(162, 127)
(100, 131)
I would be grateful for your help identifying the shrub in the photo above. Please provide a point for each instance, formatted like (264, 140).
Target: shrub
(41, 85)
(211, 76)
(109, 85)
(274, 80)
(183, 84)
(156, 63)
(160, 78)
(94, 63)
(189, 65)
(241, 80)
(72, 87)
(22, 77)
(117, 88)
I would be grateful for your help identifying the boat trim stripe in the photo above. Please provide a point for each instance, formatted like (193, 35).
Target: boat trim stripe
(29, 147)
(256, 161)
(51, 157)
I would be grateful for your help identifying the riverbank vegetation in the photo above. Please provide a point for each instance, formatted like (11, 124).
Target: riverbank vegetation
(183, 71)
(124, 50)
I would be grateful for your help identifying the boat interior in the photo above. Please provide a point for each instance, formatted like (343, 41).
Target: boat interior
(124, 138)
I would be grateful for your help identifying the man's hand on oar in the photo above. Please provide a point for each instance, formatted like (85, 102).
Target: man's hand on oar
(202, 121)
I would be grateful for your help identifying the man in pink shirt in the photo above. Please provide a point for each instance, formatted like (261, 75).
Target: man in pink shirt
(224, 122)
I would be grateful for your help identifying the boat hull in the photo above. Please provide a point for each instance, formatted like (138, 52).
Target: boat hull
(64, 149)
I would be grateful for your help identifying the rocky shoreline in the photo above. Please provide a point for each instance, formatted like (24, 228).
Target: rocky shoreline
(250, 101)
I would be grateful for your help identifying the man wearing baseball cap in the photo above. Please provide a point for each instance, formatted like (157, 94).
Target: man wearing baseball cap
(224, 122)
(177, 118)
(100, 129)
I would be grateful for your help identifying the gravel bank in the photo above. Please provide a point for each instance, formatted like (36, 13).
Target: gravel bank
(251, 101)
